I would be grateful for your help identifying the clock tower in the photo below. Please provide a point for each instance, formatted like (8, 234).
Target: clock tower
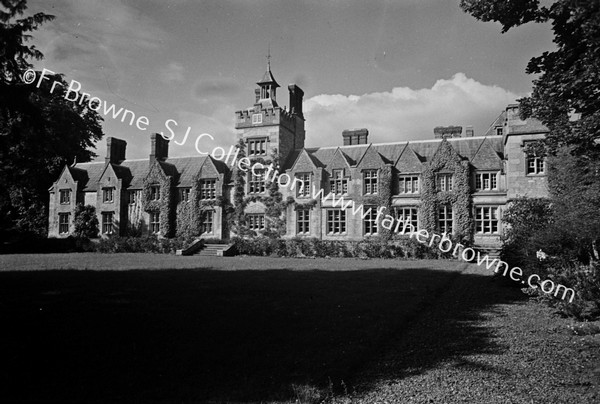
(266, 126)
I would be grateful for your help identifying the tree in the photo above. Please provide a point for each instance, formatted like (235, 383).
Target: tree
(568, 85)
(40, 131)
(575, 190)
(85, 221)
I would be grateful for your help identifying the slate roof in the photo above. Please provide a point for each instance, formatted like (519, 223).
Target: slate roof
(390, 152)
(133, 172)
(93, 172)
(184, 169)
(268, 78)
(532, 125)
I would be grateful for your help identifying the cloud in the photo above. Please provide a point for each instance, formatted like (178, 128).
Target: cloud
(216, 88)
(173, 72)
(404, 113)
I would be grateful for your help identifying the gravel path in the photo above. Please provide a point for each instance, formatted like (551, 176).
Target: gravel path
(469, 347)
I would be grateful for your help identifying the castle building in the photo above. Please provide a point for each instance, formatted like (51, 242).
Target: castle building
(453, 183)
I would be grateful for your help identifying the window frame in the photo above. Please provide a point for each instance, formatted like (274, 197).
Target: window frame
(257, 182)
(331, 220)
(448, 218)
(338, 182)
(252, 149)
(479, 181)
(257, 119)
(208, 189)
(480, 221)
(402, 187)
(184, 194)
(370, 227)
(303, 191)
(255, 221)
(536, 165)
(413, 219)
(66, 193)
(207, 221)
(106, 192)
(154, 222)
(442, 184)
(371, 182)
(155, 192)
(61, 223)
(303, 221)
(133, 197)
(108, 226)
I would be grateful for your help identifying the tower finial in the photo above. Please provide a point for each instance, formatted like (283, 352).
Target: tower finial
(269, 58)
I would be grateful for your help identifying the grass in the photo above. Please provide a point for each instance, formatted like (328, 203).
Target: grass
(273, 330)
(199, 335)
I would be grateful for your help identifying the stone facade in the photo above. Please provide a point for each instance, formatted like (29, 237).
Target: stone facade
(450, 183)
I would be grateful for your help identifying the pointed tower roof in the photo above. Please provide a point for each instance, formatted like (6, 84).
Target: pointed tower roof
(268, 78)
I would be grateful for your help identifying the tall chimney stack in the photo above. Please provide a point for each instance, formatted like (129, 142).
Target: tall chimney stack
(159, 147)
(115, 150)
(296, 96)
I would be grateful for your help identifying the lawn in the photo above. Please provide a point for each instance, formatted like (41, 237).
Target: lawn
(200, 334)
(254, 329)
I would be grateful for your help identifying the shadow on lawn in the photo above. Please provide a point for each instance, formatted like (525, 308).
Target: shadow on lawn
(197, 336)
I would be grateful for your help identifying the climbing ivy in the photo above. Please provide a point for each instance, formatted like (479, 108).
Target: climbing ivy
(238, 219)
(385, 197)
(535, 148)
(459, 198)
(164, 205)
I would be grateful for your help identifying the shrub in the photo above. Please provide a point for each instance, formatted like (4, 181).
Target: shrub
(150, 244)
(376, 247)
(85, 221)
(583, 279)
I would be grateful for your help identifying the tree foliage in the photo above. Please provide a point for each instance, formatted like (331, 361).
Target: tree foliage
(568, 85)
(575, 189)
(40, 131)
(85, 221)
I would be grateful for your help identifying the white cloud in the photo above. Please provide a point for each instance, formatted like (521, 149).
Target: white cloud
(404, 113)
(173, 72)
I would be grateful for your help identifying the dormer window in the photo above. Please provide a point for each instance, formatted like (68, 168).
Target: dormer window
(370, 182)
(338, 184)
(408, 184)
(154, 192)
(486, 181)
(303, 190)
(444, 182)
(108, 195)
(65, 196)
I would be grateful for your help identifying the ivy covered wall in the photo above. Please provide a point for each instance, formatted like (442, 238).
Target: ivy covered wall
(447, 160)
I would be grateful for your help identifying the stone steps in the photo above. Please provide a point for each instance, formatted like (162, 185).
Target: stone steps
(212, 249)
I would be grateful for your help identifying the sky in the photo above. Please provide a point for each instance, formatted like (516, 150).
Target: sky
(398, 68)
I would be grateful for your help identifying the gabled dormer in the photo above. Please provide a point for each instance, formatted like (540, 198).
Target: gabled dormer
(409, 162)
(370, 159)
(486, 157)
(339, 161)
